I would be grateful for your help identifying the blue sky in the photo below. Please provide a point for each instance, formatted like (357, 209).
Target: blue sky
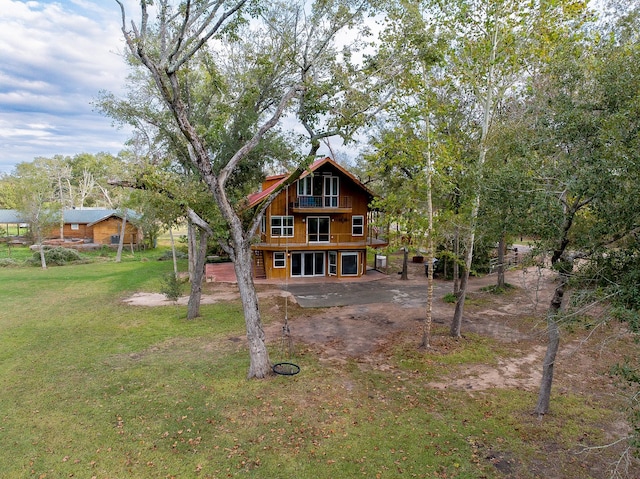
(55, 57)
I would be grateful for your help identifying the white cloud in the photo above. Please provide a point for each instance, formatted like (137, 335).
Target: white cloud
(56, 58)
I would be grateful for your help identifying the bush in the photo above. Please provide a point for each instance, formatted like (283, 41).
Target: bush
(57, 256)
(8, 263)
(168, 256)
(449, 298)
(171, 287)
(495, 289)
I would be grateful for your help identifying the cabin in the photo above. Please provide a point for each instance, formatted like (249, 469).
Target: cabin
(97, 226)
(318, 226)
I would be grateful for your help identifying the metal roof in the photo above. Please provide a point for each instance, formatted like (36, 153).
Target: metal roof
(10, 217)
(80, 216)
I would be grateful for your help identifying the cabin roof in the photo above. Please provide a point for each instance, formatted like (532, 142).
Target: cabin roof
(81, 216)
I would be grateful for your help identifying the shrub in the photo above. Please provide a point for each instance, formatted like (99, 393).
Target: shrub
(168, 256)
(449, 298)
(171, 287)
(495, 289)
(8, 263)
(57, 256)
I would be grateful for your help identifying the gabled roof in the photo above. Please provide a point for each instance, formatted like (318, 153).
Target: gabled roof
(89, 216)
(10, 217)
(93, 216)
(255, 198)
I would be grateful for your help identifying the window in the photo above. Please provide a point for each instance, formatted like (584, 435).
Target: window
(318, 229)
(279, 259)
(305, 187)
(357, 225)
(331, 191)
(282, 226)
(349, 264)
(75, 226)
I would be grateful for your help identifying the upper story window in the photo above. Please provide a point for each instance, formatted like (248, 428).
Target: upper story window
(357, 225)
(331, 191)
(310, 185)
(282, 226)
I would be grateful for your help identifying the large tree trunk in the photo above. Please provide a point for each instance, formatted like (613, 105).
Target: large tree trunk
(197, 275)
(259, 366)
(544, 395)
(192, 247)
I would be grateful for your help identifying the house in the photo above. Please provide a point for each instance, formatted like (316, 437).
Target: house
(91, 225)
(316, 227)
(99, 226)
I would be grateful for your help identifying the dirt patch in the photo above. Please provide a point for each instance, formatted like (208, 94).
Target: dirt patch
(215, 294)
(367, 332)
(368, 335)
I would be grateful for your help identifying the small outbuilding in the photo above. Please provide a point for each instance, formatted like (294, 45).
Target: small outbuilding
(88, 225)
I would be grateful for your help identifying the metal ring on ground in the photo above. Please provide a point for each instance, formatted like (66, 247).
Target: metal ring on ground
(286, 369)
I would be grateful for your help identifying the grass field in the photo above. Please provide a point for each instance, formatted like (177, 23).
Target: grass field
(92, 387)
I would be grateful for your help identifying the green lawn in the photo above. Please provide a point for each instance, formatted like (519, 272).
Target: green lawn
(91, 387)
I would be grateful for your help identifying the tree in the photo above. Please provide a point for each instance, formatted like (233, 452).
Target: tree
(178, 44)
(486, 58)
(37, 203)
(583, 128)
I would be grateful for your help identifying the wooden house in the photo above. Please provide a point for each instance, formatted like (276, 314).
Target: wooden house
(88, 225)
(316, 227)
(98, 226)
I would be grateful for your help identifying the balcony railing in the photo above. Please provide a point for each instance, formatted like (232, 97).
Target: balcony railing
(328, 202)
(336, 240)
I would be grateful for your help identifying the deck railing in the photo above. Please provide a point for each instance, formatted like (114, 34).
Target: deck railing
(323, 202)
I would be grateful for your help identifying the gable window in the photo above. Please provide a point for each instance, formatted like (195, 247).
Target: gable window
(279, 259)
(305, 186)
(357, 225)
(282, 226)
(75, 226)
(310, 185)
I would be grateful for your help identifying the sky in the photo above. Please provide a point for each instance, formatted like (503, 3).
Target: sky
(55, 58)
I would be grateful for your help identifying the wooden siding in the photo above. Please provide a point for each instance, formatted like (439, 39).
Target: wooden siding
(353, 200)
(104, 230)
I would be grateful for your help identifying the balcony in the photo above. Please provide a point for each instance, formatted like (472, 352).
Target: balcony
(322, 204)
(336, 241)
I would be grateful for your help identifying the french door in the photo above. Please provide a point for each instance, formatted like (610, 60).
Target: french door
(331, 191)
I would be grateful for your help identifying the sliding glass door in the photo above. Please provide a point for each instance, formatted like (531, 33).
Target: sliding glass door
(307, 264)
